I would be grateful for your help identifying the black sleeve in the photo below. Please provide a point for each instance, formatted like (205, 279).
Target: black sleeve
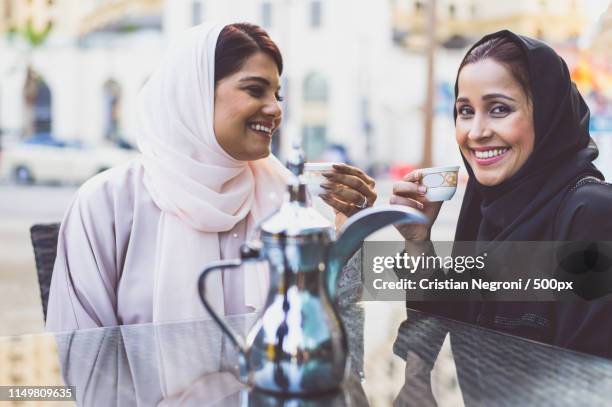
(586, 215)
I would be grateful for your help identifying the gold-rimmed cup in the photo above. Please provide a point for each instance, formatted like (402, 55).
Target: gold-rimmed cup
(441, 182)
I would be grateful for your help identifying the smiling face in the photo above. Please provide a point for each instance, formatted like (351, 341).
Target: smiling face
(494, 126)
(247, 109)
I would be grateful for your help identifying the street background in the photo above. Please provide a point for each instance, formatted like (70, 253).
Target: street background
(366, 82)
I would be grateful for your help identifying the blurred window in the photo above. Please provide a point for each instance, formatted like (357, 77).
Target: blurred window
(38, 101)
(314, 138)
(315, 88)
(196, 12)
(418, 7)
(315, 14)
(399, 35)
(266, 14)
(42, 108)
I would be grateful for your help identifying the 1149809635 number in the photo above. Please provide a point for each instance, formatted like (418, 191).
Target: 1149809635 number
(37, 393)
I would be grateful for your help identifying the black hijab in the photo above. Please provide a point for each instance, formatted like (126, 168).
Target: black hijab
(523, 207)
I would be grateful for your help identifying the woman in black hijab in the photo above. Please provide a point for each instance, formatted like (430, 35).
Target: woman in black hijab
(524, 206)
(522, 128)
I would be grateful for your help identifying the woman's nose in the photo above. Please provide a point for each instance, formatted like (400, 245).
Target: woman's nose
(478, 129)
(273, 108)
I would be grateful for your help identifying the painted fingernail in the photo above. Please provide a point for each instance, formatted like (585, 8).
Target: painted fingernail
(422, 189)
(326, 186)
(326, 174)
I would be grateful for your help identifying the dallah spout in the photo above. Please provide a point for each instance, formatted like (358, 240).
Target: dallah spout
(357, 228)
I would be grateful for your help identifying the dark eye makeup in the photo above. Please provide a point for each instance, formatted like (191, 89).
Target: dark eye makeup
(258, 91)
(255, 91)
(496, 110)
(465, 110)
(500, 109)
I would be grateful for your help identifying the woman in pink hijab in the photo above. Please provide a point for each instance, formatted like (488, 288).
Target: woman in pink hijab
(135, 238)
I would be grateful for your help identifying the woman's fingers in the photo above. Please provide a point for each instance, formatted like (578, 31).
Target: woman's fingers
(413, 176)
(352, 182)
(409, 189)
(340, 206)
(410, 192)
(354, 171)
(399, 200)
(410, 186)
(346, 194)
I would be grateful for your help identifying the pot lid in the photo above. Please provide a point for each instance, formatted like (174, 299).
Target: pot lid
(295, 220)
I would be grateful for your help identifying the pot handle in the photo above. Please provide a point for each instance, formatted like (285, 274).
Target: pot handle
(247, 254)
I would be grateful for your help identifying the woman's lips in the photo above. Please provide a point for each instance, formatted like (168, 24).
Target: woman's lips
(489, 160)
(262, 129)
(262, 134)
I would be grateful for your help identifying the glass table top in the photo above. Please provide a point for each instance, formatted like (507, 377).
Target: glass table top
(396, 358)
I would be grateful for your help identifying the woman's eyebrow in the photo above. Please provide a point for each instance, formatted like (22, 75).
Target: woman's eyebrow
(497, 95)
(462, 100)
(259, 79)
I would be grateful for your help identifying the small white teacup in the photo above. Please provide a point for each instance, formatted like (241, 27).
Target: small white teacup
(441, 182)
(313, 176)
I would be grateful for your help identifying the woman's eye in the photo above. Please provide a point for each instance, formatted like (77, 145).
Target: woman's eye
(255, 91)
(500, 110)
(465, 111)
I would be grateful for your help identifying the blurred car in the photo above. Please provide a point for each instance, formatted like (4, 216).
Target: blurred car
(43, 158)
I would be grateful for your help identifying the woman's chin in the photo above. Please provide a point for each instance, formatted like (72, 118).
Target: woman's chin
(259, 155)
(489, 180)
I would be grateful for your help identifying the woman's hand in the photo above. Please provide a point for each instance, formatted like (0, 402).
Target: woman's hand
(349, 190)
(411, 192)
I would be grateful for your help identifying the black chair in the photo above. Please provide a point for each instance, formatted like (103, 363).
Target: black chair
(44, 241)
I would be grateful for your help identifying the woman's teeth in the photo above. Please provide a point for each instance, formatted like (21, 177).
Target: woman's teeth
(490, 153)
(260, 127)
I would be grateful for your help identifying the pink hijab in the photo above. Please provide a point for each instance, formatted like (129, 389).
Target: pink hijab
(200, 189)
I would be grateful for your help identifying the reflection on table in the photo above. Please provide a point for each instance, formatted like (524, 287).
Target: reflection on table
(496, 369)
(186, 363)
(190, 363)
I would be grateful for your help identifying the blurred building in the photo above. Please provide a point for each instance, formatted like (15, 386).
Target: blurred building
(460, 22)
(78, 79)
(93, 62)
(345, 82)
(355, 73)
(119, 15)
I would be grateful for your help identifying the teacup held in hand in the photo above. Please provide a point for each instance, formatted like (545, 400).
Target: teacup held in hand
(441, 182)
(313, 176)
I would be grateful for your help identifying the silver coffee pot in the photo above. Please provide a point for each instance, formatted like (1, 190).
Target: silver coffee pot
(298, 345)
